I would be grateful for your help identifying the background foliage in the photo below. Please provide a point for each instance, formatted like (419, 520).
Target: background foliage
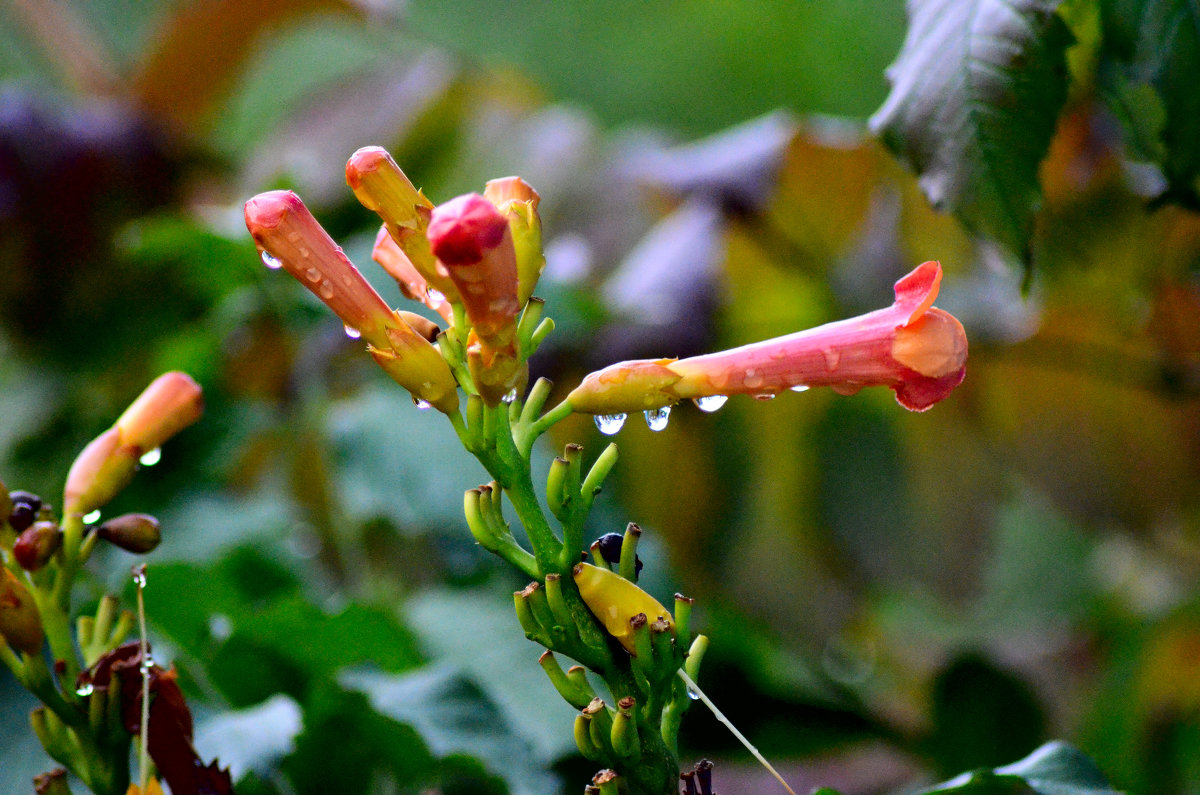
(893, 598)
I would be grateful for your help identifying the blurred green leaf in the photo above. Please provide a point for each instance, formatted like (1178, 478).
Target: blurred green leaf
(454, 715)
(1151, 58)
(976, 93)
(1054, 769)
(981, 715)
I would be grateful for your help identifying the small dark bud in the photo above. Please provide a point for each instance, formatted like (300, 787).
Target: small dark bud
(133, 532)
(609, 545)
(25, 507)
(36, 544)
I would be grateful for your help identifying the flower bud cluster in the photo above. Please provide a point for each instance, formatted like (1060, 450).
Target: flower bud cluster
(474, 260)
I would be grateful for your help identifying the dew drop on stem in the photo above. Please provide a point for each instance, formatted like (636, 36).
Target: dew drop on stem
(91, 518)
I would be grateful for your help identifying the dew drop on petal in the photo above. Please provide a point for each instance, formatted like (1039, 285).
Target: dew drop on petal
(754, 379)
(710, 403)
(434, 297)
(271, 261)
(800, 388)
(325, 289)
(609, 424)
(313, 275)
(657, 419)
(150, 458)
(352, 332)
(831, 358)
(422, 404)
(91, 518)
(85, 690)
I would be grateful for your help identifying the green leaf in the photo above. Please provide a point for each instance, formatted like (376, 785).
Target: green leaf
(1054, 769)
(976, 92)
(1150, 59)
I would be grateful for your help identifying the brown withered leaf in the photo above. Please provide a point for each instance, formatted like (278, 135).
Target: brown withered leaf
(170, 734)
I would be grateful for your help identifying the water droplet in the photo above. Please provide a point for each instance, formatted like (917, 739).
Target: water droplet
(754, 379)
(352, 332)
(434, 297)
(325, 289)
(85, 690)
(151, 458)
(657, 418)
(422, 404)
(510, 396)
(800, 388)
(313, 275)
(609, 424)
(831, 358)
(220, 626)
(92, 518)
(147, 661)
(271, 261)
(692, 694)
(765, 396)
(139, 575)
(710, 403)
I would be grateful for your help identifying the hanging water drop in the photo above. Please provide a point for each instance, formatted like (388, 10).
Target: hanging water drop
(692, 694)
(765, 396)
(422, 404)
(85, 690)
(139, 576)
(151, 457)
(657, 419)
(91, 518)
(710, 403)
(609, 424)
(352, 332)
(800, 388)
(434, 297)
(271, 261)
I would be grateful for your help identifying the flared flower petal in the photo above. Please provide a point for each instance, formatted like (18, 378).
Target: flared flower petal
(915, 349)
(518, 202)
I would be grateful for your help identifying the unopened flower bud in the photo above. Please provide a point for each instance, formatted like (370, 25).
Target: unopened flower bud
(23, 509)
(472, 239)
(518, 202)
(20, 623)
(36, 544)
(615, 601)
(169, 404)
(138, 533)
(382, 187)
(172, 402)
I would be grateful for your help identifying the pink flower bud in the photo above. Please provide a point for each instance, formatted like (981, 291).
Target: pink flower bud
(472, 239)
(172, 402)
(917, 350)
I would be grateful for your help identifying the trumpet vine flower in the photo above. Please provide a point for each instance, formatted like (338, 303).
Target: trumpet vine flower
(916, 349)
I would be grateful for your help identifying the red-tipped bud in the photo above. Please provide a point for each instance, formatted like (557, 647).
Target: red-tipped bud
(37, 544)
(287, 233)
(20, 622)
(472, 239)
(138, 533)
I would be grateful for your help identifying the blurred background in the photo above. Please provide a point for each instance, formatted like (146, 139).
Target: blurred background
(892, 597)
